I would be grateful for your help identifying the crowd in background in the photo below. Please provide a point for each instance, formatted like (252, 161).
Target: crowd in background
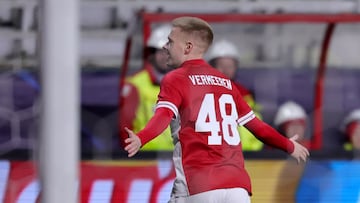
(139, 98)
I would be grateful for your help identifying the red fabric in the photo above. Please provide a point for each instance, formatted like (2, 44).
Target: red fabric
(210, 106)
(269, 135)
(156, 125)
(243, 91)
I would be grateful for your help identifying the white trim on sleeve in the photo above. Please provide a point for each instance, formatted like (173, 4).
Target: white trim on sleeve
(246, 118)
(169, 105)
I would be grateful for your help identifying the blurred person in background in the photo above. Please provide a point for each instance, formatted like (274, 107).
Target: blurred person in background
(224, 56)
(290, 120)
(351, 129)
(139, 94)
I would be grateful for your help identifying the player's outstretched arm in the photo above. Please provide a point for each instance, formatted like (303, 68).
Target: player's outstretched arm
(300, 152)
(271, 137)
(157, 124)
(133, 143)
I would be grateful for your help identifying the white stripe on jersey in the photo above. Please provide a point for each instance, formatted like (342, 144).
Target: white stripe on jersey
(248, 117)
(168, 105)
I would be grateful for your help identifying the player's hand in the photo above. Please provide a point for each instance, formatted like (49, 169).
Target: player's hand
(133, 143)
(300, 152)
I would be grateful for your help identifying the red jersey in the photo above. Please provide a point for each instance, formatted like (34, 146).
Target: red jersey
(243, 91)
(211, 107)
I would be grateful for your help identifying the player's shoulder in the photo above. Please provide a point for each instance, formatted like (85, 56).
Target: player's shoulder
(177, 78)
(243, 90)
(175, 74)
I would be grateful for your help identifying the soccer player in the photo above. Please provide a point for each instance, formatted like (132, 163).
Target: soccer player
(208, 155)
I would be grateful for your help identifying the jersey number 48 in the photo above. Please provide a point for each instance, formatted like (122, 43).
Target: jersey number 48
(207, 120)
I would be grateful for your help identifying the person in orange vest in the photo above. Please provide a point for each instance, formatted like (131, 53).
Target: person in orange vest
(224, 56)
(139, 94)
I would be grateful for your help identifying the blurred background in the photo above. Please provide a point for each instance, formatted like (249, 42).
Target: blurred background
(298, 51)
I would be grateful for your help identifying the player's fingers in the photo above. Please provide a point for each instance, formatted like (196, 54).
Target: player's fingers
(131, 154)
(133, 147)
(131, 144)
(306, 151)
(302, 158)
(305, 155)
(127, 129)
(131, 137)
(132, 151)
(128, 140)
(128, 147)
(130, 132)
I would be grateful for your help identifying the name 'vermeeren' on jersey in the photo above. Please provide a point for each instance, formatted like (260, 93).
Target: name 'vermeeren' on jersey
(210, 80)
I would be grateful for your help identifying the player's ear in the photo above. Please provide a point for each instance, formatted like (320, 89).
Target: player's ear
(188, 47)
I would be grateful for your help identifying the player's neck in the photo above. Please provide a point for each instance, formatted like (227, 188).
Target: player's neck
(193, 57)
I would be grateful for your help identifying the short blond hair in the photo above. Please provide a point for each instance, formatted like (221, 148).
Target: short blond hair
(196, 27)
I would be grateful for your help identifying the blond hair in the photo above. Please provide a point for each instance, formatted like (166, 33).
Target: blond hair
(197, 28)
